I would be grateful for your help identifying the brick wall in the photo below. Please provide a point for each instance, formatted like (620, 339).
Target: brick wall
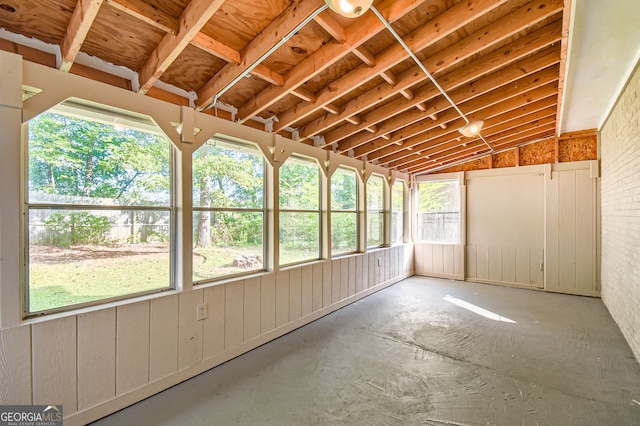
(620, 262)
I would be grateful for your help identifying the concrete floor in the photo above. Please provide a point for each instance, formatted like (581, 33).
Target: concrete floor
(411, 355)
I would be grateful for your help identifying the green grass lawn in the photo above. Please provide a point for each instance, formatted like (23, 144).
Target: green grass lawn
(53, 285)
(62, 277)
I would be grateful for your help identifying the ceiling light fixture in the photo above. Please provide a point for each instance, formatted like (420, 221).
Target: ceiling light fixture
(349, 8)
(471, 129)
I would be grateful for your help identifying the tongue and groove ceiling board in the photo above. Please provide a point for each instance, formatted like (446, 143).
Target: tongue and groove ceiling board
(342, 84)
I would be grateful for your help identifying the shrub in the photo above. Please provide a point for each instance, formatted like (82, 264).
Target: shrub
(75, 228)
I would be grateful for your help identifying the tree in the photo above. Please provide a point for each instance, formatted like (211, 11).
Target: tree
(77, 161)
(226, 178)
(75, 157)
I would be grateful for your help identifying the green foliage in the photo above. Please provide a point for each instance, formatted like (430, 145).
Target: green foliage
(299, 185)
(75, 157)
(344, 232)
(78, 227)
(228, 178)
(439, 196)
(344, 190)
(375, 193)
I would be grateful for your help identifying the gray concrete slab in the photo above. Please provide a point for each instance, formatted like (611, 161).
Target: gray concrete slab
(414, 354)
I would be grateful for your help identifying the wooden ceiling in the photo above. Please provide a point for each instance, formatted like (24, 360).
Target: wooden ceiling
(343, 84)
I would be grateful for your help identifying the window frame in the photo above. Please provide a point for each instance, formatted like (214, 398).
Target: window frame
(380, 212)
(355, 211)
(319, 211)
(458, 190)
(97, 113)
(264, 211)
(403, 214)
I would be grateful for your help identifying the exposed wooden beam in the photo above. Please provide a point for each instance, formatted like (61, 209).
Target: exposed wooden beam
(564, 49)
(407, 93)
(587, 133)
(354, 119)
(506, 119)
(365, 55)
(332, 109)
(149, 14)
(433, 31)
(81, 20)
(215, 48)
(357, 33)
(424, 136)
(331, 26)
(494, 115)
(268, 75)
(269, 37)
(389, 77)
(458, 155)
(193, 18)
(304, 94)
(457, 52)
(146, 13)
(396, 117)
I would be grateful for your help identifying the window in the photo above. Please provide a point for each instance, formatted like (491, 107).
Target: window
(397, 212)
(375, 211)
(300, 212)
(99, 207)
(439, 212)
(228, 210)
(344, 211)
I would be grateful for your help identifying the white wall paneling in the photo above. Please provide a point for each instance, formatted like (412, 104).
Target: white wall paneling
(251, 308)
(307, 290)
(295, 294)
(55, 377)
(505, 216)
(571, 233)
(282, 298)
(190, 330)
(163, 337)
(267, 303)
(214, 326)
(132, 346)
(15, 365)
(96, 357)
(317, 286)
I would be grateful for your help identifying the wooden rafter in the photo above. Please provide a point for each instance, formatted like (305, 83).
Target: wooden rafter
(216, 48)
(191, 21)
(435, 30)
(479, 147)
(146, 13)
(77, 30)
(448, 139)
(357, 33)
(454, 54)
(331, 26)
(281, 26)
(462, 93)
(509, 120)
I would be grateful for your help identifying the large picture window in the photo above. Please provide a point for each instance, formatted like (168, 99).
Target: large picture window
(228, 210)
(397, 212)
(99, 210)
(300, 211)
(439, 212)
(375, 211)
(344, 211)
